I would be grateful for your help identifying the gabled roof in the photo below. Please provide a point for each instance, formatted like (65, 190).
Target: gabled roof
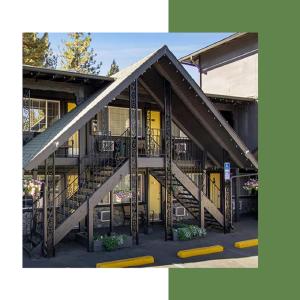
(38, 149)
(190, 57)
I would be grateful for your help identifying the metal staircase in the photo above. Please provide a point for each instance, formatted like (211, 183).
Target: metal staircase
(187, 193)
(102, 170)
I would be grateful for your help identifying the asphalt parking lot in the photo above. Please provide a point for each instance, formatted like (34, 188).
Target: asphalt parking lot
(71, 254)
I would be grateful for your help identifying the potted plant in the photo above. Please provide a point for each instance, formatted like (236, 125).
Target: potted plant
(251, 186)
(31, 188)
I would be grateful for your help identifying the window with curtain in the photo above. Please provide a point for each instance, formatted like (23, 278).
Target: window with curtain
(119, 120)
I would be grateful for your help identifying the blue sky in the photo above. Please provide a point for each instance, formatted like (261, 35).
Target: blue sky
(127, 48)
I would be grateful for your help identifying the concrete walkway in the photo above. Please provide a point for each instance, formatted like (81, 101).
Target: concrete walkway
(244, 262)
(73, 255)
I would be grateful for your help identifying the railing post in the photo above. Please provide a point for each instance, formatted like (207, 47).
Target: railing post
(111, 215)
(147, 200)
(53, 203)
(237, 196)
(45, 208)
(168, 160)
(227, 206)
(133, 114)
(90, 229)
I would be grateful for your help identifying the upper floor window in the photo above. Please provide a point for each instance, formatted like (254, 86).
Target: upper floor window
(176, 132)
(119, 120)
(39, 114)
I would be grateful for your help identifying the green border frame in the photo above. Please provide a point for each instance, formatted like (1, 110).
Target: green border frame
(277, 23)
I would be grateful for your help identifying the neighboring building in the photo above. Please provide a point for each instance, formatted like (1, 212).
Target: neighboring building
(118, 151)
(228, 75)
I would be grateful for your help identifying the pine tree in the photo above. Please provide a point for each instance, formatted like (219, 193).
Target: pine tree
(78, 54)
(35, 48)
(37, 51)
(114, 68)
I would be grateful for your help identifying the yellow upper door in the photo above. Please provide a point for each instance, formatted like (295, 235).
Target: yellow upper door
(155, 125)
(214, 188)
(74, 139)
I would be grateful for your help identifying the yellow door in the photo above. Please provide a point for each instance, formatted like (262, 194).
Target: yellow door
(73, 141)
(155, 125)
(154, 185)
(154, 199)
(214, 188)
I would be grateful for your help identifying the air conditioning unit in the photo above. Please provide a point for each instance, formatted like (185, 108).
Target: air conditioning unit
(180, 148)
(107, 146)
(105, 216)
(179, 211)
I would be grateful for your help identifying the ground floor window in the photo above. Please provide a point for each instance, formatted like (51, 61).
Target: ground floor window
(195, 177)
(121, 193)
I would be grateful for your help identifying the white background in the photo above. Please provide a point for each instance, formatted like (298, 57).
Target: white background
(60, 16)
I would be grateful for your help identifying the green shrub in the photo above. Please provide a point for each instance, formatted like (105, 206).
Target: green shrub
(110, 243)
(184, 233)
(189, 232)
(113, 241)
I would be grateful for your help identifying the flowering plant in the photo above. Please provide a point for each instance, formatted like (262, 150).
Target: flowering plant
(122, 196)
(31, 187)
(251, 185)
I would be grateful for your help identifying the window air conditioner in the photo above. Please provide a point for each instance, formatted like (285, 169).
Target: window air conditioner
(107, 146)
(179, 211)
(105, 216)
(180, 148)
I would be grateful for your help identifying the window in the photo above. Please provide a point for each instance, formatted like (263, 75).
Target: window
(176, 132)
(119, 120)
(121, 193)
(195, 177)
(39, 114)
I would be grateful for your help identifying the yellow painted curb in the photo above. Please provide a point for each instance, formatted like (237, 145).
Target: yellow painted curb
(129, 262)
(200, 251)
(246, 244)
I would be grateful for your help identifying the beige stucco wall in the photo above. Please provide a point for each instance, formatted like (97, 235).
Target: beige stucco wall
(238, 78)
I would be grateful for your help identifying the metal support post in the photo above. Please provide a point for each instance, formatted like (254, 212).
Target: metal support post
(168, 161)
(133, 109)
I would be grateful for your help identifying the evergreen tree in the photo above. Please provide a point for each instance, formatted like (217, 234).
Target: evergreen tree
(114, 68)
(35, 48)
(51, 59)
(37, 51)
(78, 54)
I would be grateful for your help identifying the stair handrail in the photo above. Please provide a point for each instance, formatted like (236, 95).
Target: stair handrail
(90, 167)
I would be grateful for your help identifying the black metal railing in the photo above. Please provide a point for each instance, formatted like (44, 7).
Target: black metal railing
(151, 145)
(98, 166)
(188, 157)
